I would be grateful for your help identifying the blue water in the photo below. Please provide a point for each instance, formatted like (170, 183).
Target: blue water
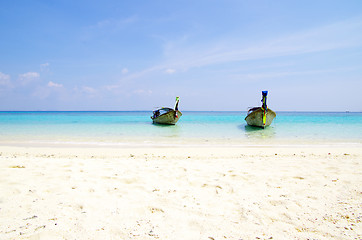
(116, 127)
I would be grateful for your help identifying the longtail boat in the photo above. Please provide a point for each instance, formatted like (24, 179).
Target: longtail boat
(167, 115)
(260, 116)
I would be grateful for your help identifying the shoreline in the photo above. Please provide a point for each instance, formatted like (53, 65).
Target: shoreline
(355, 148)
(197, 142)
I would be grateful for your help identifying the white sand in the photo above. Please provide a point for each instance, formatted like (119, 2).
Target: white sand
(181, 193)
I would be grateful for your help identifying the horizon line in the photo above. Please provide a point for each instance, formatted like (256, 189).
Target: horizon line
(305, 111)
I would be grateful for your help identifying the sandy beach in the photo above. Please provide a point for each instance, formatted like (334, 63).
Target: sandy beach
(181, 192)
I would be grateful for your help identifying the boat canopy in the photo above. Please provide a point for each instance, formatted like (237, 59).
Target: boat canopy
(161, 111)
(253, 109)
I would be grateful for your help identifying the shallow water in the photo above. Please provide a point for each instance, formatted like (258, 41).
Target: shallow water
(119, 127)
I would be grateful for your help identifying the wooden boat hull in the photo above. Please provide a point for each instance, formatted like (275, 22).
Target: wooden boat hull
(255, 118)
(168, 118)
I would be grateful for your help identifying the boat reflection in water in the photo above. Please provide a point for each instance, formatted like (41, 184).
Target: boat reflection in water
(256, 133)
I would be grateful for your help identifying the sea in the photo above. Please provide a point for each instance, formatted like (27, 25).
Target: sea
(124, 128)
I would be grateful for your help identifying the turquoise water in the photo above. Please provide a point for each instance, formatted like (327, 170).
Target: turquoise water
(118, 127)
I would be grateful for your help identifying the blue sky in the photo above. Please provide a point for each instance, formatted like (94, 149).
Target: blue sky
(215, 55)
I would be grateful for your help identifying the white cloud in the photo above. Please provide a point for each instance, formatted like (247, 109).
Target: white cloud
(88, 90)
(329, 37)
(142, 92)
(124, 71)
(4, 79)
(170, 71)
(85, 91)
(28, 77)
(324, 38)
(281, 74)
(53, 84)
(111, 87)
